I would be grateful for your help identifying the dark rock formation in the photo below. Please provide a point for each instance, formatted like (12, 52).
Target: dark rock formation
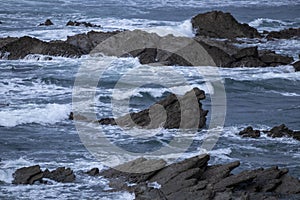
(194, 179)
(61, 174)
(276, 132)
(284, 34)
(249, 132)
(48, 22)
(217, 24)
(86, 24)
(283, 131)
(28, 175)
(21, 47)
(297, 66)
(173, 112)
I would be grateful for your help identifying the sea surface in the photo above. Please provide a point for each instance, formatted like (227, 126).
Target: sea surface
(34, 128)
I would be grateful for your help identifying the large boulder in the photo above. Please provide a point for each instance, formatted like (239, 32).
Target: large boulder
(28, 175)
(273, 59)
(174, 112)
(218, 24)
(284, 34)
(250, 132)
(21, 47)
(48, 22)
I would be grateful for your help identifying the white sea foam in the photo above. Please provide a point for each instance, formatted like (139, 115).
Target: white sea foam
(32, 113)
(270, 24)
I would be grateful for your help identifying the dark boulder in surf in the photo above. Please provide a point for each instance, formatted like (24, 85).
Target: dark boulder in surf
(249, 132)
(61, 174)
(217, 24)
(48, 22)
(297, 66)
(28, 175)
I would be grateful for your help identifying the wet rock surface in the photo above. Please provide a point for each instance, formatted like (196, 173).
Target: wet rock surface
(297, 66)
(249, 132)
(173, 112)
(193, 178)
(61, 174)
(217, 24)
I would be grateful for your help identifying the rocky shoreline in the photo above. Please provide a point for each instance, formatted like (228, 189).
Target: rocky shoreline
(191, 178)
(215, 31)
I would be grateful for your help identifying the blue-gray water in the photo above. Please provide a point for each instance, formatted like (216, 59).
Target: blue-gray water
(35, 128)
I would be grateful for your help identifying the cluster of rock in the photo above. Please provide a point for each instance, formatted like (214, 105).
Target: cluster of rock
(30, 175)
(180, 112)
(208, 26)
(275, 132)
(191, 178)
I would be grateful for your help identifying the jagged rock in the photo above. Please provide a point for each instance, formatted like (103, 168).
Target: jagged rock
(297, 66)
(192, 178)
(7, 40)
(249, 132)
(28, 175)
(284, 34)
(93, 172)
(61, 174)
(86, 24)
(217, 24)
(24, 46)
(48, 22)
(273, 59)
(180, 112)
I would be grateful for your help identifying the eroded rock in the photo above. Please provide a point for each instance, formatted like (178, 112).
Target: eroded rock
(28, 175)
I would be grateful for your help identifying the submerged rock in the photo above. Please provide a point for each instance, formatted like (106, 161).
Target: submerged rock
(193, 178)
(48, 22)
(173, 112)
(217, 24)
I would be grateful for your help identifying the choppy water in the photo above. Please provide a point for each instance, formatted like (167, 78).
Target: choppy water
(35, 128)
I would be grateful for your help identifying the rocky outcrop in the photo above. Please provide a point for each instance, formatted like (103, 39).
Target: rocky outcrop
(297, 66)
(270, 58)
(30, 175)
(275, 132)
(249, 132)
(284, 34)
(86, 24)
(48, 22)
(193, 178)
(21, 47)
(173, 112)
(217, 24)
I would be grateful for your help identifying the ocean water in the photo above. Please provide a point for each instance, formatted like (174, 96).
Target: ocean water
(35, 129)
